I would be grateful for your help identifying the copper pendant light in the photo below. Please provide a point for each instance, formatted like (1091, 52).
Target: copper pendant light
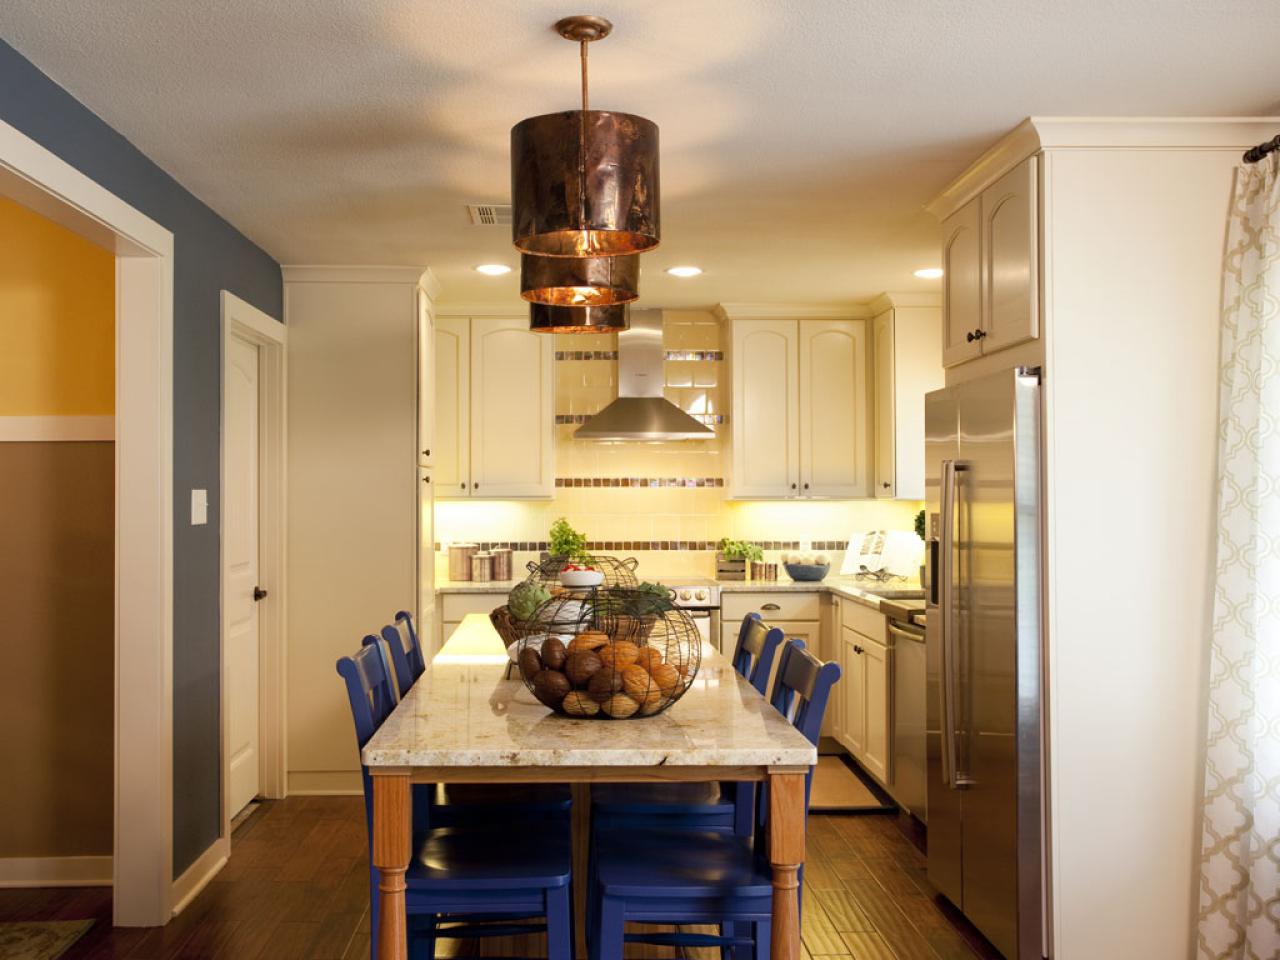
(584, 183)
(580, 282)
(544, 318)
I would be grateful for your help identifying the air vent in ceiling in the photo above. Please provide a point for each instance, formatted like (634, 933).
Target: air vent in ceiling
(489, 214)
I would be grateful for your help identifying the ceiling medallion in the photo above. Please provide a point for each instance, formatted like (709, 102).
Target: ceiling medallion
(584, 183)
(544, 318)
(580, 282)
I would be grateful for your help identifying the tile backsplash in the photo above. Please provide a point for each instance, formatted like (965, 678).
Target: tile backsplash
(661, 502)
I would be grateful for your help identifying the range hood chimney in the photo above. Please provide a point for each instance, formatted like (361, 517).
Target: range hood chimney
(641, 412)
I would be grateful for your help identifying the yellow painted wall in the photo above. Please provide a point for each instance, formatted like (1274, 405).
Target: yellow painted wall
(57, 319)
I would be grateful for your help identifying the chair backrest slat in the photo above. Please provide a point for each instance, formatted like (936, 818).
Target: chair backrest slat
(757, 645)
(405, 651)
(371, 696)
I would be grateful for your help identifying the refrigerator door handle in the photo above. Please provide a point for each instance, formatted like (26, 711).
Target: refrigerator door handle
(946, 606)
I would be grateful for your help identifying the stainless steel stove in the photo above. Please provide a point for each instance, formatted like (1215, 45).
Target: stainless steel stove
(700, 598)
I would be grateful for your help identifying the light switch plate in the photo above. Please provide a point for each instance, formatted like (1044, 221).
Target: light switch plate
(199, 507)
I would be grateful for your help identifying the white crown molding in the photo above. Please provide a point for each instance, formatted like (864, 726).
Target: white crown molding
(791, 311)
(1035, 134)
(302, 273)
(906, 298)
(515, 307)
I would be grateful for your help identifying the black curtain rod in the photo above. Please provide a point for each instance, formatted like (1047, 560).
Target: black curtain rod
(1254, 154)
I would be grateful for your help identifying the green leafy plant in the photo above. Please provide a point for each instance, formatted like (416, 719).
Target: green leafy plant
(566, 542)
(740, 550)
(920, 524)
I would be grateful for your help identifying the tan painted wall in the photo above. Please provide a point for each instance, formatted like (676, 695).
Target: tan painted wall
(57, 530)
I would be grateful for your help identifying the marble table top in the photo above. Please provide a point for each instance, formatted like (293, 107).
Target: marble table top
(462, 712)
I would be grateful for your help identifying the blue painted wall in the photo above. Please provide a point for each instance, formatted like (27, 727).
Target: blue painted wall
(210, 255)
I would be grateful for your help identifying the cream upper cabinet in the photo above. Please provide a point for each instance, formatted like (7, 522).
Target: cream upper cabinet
(961, 285)
(766, 409)
(800, 419)
(452, 453)
(990, 255)
(426, 382)
(906, 365)
(495, 420)
(1010, 313)
(835, 450)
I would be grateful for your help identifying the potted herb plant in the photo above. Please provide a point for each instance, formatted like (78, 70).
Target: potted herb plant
(732, 557)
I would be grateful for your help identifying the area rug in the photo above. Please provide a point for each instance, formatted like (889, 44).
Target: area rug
(838, 789)
(40, 940)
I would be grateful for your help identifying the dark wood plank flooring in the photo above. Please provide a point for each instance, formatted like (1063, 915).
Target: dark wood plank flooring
(296, 886)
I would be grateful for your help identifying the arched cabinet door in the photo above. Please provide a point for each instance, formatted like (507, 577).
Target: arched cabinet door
(962, 284)
(451, 447)
(512, 416)
(1010, 296)
(835, 421)
(766, 419)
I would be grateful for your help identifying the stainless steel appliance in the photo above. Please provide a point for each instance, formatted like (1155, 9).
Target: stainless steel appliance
(984, 664)
(700, 598)
(909, 764)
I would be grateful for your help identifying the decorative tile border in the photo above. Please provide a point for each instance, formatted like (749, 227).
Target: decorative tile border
(830, 545)
(693, 355)
(586, 354)
(710, 419)
(606, 546)
(646, 482)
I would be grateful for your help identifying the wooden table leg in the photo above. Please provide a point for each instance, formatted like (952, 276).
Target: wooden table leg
(786, 855)
(392, 837)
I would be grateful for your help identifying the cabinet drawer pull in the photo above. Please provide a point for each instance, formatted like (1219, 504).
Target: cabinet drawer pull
(770, 606)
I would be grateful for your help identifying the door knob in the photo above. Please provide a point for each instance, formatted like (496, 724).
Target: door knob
(259, 594)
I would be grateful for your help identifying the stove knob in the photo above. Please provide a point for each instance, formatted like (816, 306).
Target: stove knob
(684, 595)
(701, 595)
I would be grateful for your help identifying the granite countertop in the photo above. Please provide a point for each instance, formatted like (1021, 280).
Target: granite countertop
(908, 594)
(462, 712)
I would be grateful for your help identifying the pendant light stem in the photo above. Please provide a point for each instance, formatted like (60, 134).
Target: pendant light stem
(582, 143)
(583, 45)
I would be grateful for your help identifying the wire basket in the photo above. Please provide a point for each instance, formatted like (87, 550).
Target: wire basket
(617, 573)
(611, 653)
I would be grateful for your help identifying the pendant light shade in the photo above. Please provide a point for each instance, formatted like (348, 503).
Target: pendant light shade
(585, 282)
(584, 184)
(551, 319)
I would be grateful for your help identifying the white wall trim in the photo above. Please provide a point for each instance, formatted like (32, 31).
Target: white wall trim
(1099, 133)
(515, 307)
(197, 876)
(55, 872)
(143, 801)
(791, 311)
(303, 273)
(244, 321)
(57, 429)
(911, 298)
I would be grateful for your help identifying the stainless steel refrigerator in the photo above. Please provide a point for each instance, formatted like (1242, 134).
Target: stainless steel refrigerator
(984, 705)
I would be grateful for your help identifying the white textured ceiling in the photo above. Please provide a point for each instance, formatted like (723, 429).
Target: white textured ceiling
(799, 139)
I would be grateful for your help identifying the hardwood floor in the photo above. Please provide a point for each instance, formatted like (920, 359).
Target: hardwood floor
(296, 886)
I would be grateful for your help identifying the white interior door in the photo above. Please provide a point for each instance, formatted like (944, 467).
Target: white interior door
(240, 573)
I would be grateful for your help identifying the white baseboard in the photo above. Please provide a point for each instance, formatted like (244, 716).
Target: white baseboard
(54, 429)
(325, 783)
(55, 872)
(197, 876)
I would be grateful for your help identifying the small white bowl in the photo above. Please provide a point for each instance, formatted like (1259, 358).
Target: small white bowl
(581, 578)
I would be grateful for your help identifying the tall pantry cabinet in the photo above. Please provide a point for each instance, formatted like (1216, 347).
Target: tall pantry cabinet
(360, 461)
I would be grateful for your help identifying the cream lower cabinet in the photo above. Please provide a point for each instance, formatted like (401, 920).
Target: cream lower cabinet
(451, 608)
(865, 690)
(800, 423)
(495, 422)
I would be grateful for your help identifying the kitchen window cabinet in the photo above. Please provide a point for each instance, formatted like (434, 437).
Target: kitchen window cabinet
(801, 402)
(495, 420)
(990, 259)
(907, 364)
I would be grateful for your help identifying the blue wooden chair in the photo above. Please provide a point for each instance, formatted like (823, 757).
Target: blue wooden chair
(507, 871)
(458, 804)
(649, 875)
(697, 806)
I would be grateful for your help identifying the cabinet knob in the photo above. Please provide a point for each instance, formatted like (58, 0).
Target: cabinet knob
(475, 486)
(426, 479)
(857, 649)
(886, 484)
(426, 453)
(463, 486)
(973, 335)
(969, 337)
(806, 486)
(793, 486)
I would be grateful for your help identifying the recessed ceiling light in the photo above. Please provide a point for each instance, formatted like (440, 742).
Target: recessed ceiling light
(493, 269)
(928, 273)
(684, 271)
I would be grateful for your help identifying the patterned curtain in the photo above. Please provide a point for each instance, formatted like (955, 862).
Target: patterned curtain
(1240, 849)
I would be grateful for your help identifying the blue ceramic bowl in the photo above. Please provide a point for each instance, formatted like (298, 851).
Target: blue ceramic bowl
(807, 571)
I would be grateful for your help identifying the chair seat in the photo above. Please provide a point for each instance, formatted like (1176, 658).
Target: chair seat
(470, 859)
(675, 863)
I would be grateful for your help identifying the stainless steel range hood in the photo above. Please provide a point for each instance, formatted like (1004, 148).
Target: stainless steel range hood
(641, 412)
